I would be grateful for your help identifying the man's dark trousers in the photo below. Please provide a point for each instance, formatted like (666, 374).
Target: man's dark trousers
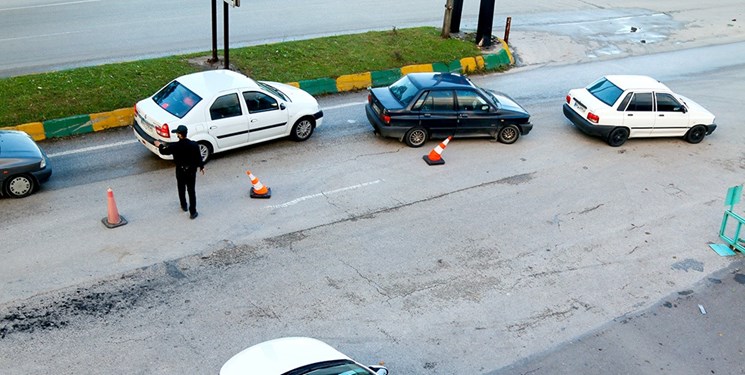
(186, 177)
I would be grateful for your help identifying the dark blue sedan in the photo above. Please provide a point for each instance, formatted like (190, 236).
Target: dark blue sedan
(23, 165)
(420, 106)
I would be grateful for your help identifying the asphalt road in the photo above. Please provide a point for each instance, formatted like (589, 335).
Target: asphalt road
(502, 253)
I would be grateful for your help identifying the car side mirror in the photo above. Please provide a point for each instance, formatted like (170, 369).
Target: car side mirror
(282, 106)
(684, 109)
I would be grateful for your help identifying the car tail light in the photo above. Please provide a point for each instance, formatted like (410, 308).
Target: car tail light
(569, 99)
(369, 98)
(386, 119)
(163, 131)
(593, 117)
(135, 109)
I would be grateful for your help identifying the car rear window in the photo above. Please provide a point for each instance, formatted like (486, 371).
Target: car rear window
(403, 90)
(176, 99)
(605, 91)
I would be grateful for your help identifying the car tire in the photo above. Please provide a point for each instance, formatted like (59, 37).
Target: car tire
(508, 134)
(416, 137)
(696, 134)
(19, 186)
(618, 137)
(303, 129)
(205, 149)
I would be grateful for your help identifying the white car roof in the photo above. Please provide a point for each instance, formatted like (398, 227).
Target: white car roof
(212, 81)
(636, 82)
(278, 356)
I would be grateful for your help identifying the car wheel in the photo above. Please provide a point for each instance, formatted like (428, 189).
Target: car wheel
(302, 129)
(416, 137)
(696, 134)
(508, 134)
(205, 149)
(19, 186)
(618, 137)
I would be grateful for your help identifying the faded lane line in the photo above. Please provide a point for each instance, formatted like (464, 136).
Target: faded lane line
(298, 200)
(51, 5)
(92, 148)
(344, 105)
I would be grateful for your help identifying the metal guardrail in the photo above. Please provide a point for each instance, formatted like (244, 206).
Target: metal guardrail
(734, 242)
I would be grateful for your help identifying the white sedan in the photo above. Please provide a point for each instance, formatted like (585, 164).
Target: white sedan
(223, 110)
(619, 107)
(295, 356)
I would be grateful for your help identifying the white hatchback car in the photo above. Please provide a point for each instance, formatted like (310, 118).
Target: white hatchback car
(618, 107)
(223, 110)
(295, 356)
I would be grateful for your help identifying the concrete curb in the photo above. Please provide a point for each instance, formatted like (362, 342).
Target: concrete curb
(82, 124)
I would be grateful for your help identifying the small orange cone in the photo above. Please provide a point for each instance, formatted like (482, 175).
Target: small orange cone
(258, 190)
(435, 156)
(113, 219)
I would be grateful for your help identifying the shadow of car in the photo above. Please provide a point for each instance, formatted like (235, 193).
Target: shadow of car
(23, 165)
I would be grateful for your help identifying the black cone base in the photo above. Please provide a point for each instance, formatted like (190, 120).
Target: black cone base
(433, 162)
(267, 195)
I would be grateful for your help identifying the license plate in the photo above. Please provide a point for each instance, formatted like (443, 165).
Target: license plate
(579, 106)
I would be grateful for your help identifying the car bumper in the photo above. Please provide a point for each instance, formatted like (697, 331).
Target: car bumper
(43, 175)
(585, 126)
(147, 141)
(318, 116)
(710, 128)
(526, 128)
(381, 128)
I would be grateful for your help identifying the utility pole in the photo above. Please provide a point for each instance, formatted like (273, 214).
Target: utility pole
(486, 19)
(448, 16)
(455, 19)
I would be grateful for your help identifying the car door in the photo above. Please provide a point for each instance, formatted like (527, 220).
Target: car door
(672, 119)
(267, 116)
(639, 114)
(228, 125)
(437, 112)
(475, 117)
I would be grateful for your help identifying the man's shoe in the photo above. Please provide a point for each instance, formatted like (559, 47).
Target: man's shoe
(194, 215)
(184, 208)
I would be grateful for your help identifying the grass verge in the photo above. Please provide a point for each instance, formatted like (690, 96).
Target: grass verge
(53, 95)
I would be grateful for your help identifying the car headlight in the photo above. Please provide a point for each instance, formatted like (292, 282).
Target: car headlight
(43, 163)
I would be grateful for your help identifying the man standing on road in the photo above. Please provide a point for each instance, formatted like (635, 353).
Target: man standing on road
(187, 157)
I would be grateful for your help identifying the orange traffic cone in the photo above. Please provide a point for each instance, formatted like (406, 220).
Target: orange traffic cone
(113, 219)
(435, 156)
(258, 190)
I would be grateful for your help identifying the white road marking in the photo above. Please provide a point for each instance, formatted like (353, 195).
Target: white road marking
(298, 200)
(51, 5)
(92, 148)
(343, 105)
(38, 36)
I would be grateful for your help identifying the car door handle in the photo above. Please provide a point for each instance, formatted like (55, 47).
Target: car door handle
(253, 120)
(213, 127)
(661, 115)
(427, 115)
(462, 115)
(630, 114)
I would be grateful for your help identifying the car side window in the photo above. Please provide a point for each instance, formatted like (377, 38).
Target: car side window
(641, 102)
(471, 101)
(667, 103)
(625, 102)
(438, 101)
(259, 102)
(226, 106)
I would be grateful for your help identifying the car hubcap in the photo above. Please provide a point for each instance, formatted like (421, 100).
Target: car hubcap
(303, 129)
(204, 151)
(417, 137)
(19, 186)
(509, 134)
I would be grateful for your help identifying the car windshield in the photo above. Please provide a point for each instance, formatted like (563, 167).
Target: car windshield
(338, 367)
(273, 90)
(403, 90)
(176, 99)
(605, 91)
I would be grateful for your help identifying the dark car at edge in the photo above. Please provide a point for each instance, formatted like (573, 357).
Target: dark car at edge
(421, 106)
(23, 165)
